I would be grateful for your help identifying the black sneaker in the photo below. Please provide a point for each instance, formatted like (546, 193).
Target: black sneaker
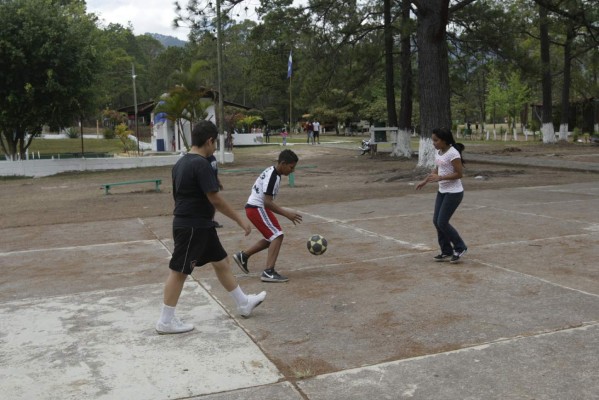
(442, 257)
(242, 261)
(270, 275)
(457, 256)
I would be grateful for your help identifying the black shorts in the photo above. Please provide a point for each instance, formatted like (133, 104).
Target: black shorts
(195, 247)
(316, 133)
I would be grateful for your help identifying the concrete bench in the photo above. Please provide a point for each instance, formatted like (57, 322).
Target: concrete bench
(107, 186)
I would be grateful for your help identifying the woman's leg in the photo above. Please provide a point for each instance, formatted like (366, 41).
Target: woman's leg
(447, 206)
(442, 238)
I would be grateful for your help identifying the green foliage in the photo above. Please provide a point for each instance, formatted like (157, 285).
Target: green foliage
(72, 132)
(109, 133)
(122, 132)
(49, 64)
(112, 118)
(247, 123)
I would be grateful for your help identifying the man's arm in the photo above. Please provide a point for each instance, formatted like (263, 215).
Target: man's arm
(222, 206)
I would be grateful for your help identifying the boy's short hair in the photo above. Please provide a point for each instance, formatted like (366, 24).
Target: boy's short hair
(288, 157)
(203, 131)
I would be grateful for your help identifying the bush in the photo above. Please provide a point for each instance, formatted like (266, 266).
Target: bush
(109, 133)
(72, 132)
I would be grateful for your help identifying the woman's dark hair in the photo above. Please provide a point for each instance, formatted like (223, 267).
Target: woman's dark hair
(203, 131)
(445, 135)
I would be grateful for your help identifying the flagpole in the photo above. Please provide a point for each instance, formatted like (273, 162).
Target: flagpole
(289, 74)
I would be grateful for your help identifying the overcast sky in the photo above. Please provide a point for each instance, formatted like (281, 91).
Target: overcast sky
(151, 16)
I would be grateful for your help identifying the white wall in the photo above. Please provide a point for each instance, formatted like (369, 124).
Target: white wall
(37, 168)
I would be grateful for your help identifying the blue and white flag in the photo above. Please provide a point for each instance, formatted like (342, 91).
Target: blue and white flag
(289, 65)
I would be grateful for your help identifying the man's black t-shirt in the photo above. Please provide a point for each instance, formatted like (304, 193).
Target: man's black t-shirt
(193, 177)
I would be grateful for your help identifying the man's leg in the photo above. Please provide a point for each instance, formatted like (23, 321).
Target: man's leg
(173, 287)
(168, 323)
(245, 303)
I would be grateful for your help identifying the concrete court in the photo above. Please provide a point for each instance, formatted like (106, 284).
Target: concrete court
(372, 318)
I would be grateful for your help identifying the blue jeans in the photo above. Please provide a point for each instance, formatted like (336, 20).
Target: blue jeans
(449, 238)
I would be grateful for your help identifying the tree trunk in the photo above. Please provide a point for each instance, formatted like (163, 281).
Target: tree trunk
(563, 127)
(433, 75)
(403, 147)
(547, 118)
(389, 78)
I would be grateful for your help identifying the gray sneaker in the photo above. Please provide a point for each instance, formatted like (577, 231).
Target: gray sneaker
(254, 300)
(242, 261)
(270, 275)
(174, 326)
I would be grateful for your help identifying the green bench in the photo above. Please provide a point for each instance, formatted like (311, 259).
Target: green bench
(107, 186)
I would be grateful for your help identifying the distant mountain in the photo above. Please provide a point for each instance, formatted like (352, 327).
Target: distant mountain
(167, 41)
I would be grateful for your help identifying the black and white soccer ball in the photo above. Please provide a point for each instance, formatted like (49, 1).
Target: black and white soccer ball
(317, 245)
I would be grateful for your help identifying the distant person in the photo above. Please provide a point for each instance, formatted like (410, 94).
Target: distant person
(284, 135)
(267, 135)
(261, 209)
(316, 131)
(309, 132)
(448, 174)
(195, 191)
(229, 142)
(214, 164)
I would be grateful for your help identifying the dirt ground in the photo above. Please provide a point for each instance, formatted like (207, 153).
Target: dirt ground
(324, 174)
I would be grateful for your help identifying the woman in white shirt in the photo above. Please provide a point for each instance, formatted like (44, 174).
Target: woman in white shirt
(448, 173)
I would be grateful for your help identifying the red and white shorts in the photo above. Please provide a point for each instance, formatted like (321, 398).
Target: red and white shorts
(265, 221)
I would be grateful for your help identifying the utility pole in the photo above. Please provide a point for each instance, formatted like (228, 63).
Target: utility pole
(135, 105)
(221, 103)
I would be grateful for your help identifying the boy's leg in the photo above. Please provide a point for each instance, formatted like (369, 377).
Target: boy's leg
(273, 252)
(241, 258)
(245, 303)
(173, 287)
(257, 247)
(224, 274)
(168, 323)
(269, 274)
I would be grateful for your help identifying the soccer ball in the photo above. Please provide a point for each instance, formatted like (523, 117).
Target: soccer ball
(317, 245)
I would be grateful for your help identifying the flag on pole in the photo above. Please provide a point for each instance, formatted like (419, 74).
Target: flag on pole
(289, 65)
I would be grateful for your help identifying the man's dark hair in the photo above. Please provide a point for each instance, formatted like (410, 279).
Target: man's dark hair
(203, 131)
(288, 157)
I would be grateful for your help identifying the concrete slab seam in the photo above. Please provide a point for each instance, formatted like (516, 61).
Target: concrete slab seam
(482, 346)
(538, 215)
(85, 292)
(418, 246)
(141, 221)
(535, 278)
(86, 246)
(309, 267)
(497, 244)
(240, 326)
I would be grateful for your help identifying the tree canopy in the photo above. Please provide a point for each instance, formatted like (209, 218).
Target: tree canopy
(439, 60)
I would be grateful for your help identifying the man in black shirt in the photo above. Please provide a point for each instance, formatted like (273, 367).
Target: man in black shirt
(195, 191)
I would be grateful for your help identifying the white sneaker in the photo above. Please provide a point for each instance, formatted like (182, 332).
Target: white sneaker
(175, 326)
(254, 300)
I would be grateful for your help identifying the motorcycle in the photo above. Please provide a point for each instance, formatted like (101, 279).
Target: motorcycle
(365, 147)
